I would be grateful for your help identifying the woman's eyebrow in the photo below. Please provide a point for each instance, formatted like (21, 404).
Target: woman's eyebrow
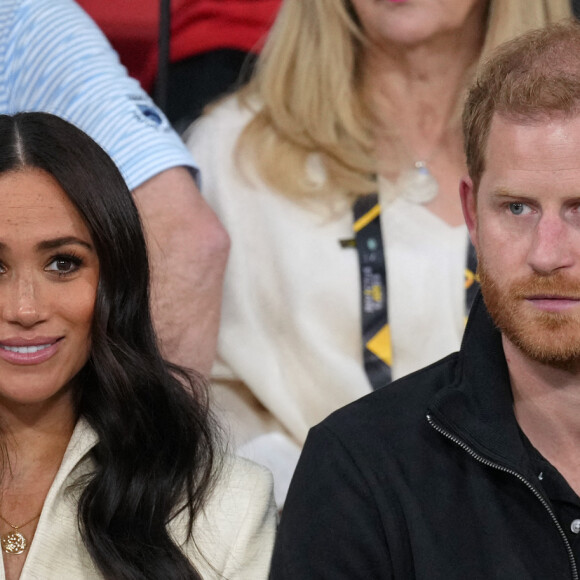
(58, 242)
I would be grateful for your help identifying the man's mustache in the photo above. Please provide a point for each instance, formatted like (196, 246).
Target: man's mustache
(557, 286)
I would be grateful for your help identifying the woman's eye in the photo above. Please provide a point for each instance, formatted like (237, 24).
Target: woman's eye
(64, 265)
(518, 208)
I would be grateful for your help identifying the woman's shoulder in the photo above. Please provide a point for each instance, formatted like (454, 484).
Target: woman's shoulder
(226, 118)
(226, 181)
(240, 478)
(234, 535)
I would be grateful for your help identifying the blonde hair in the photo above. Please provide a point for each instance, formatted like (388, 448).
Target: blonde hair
(308, 95)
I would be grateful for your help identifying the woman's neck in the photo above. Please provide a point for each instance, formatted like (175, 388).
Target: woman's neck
(415, 90)
(35, 439)
(415, 95)
(34, 452)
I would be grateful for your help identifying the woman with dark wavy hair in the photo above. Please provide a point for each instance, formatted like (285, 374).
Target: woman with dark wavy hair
(110, 466)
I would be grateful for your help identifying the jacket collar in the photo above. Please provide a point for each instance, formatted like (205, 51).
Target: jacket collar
(478, 405)
(83, 439)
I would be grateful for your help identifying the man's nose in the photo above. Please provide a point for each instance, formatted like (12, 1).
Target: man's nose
(552, 248)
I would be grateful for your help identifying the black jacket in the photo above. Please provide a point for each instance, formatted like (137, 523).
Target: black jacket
(426, 478)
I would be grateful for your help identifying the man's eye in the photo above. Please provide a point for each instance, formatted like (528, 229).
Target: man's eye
(518, 208)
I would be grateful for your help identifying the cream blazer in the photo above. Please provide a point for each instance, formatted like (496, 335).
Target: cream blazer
(234, 535)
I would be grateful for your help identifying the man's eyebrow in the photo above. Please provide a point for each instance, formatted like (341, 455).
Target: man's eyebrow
(59, 242)
(506, 192)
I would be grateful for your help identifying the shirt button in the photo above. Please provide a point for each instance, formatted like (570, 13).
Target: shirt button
(575, 526)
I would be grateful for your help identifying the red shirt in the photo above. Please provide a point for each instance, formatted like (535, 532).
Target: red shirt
(197, 26)
(202, 25)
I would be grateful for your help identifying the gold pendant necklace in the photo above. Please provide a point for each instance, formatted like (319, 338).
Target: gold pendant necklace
(15, 542)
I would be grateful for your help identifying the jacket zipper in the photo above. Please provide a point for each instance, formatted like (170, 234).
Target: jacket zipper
(518, 476)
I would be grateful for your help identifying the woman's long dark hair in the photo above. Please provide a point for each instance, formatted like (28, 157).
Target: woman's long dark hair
(155, 456)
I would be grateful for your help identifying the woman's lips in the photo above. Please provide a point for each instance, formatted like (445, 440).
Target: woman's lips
(28, 352)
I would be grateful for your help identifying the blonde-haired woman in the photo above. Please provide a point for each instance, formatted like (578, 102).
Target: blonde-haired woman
(336, 168)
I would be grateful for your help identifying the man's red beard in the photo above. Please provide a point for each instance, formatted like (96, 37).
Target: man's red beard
(551, 338)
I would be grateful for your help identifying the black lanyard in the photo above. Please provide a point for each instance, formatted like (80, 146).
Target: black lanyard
(376, 337)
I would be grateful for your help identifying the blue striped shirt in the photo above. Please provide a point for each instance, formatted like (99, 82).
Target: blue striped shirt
(53, 58)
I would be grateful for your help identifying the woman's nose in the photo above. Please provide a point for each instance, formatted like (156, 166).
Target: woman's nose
(22, 300)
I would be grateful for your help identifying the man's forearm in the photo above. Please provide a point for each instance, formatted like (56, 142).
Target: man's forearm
(188, 251)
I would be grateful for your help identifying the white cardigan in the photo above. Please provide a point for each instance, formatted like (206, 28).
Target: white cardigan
(235, 534)
(289, 349)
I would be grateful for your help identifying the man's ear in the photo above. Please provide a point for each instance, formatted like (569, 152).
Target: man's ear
(468, 205)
